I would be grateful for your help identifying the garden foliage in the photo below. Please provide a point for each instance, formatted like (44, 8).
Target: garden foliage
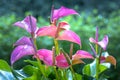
(57, 62)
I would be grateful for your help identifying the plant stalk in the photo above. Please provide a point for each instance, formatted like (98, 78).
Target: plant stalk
(97, 68)
(56, 46)
(73, 73)
(39, 62)
(57, 77)
(97, 62)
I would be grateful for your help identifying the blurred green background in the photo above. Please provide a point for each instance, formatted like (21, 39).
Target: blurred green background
(102, 13)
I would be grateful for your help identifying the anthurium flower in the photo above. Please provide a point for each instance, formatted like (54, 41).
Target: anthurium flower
(29, 24)
(76, 58)
(103, 43)
(61, 61)
(106, 58)
(61, 32)
(63, 11)
(46, 56)
(69, 35)
(23, 48)
(47, 31)
(82, 54)
(23, 41)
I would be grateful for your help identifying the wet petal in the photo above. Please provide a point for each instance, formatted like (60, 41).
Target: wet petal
(47, 31)
(63, 11)
(46, 56)
(82, 54)
(104, 42)
(21, 51)
(29, 24)
(69, 36)
(61, 61)
(23, 41)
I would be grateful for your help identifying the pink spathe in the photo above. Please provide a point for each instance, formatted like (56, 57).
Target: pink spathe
(62, 12)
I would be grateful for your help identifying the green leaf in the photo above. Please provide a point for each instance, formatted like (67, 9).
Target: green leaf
(78, 76)
(93, 68)
(30, 69)
(34, 63)
(5, 75)
(43, 68)
(4, 66)
(19, 74)
(102, 68)
(35, 74)
(90, 69)
(33, 77)
(86, 77)
(86, 70)
(69, 75)
(49, 70)
(6, 71)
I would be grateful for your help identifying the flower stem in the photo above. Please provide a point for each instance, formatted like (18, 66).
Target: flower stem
(73, 73)
(57, 77)
(96, 48)
(64, 74)
(42, 69)
(97, 68)
(71, 51)
(56, 46)
(97, 63)
(100, 54)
